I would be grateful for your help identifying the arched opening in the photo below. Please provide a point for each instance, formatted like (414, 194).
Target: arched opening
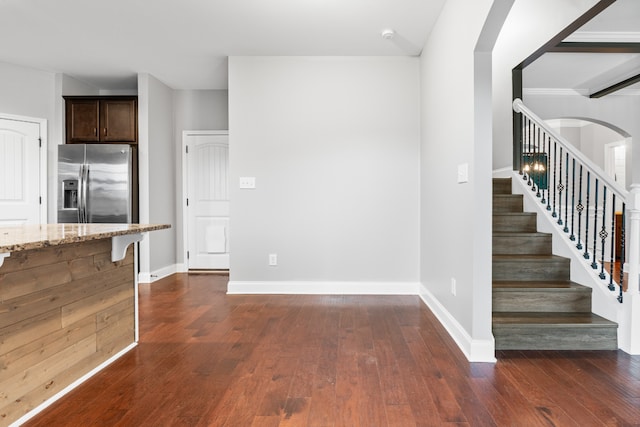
(606, 145)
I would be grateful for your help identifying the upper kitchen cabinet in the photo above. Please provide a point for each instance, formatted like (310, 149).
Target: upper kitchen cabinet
(102, 119)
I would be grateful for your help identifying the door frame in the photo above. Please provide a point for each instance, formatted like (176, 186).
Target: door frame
(185, 188)
(42, 160)
(609, 157)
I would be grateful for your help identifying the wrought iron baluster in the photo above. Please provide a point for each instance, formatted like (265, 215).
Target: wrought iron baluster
(528, 163)
(560, 189)
(613, 239)
(544, 167)
(536, 162)
(579, 208)
(572, 237)
(586, 219)
(594, 264)
(546, 172)
(555, 159)
(566, 197)
(603, 232)
(622, 252)
(524, 146)
(532, 135)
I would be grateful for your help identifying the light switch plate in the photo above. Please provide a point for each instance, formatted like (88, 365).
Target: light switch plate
(248, 182)
(463, 173)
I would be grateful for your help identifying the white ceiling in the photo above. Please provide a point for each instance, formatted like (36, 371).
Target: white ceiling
(587, 73)
(185, 43)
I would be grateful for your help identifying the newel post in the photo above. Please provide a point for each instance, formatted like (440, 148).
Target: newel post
(630, 323)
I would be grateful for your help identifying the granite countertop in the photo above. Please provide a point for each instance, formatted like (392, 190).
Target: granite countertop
(25, 237)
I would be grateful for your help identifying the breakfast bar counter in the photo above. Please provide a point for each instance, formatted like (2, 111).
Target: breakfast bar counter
(68, 306)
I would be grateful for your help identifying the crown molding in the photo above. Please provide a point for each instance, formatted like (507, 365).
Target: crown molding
(604, 36)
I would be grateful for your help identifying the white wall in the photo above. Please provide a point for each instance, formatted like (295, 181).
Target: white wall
(530, 25)
(30, 93)
(334, 145)
(156, 151)
(194, 110)
(26, 91)
(456, 130)
(201, 110)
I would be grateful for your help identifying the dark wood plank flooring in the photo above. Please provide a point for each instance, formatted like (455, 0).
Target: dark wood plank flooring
(209, 359)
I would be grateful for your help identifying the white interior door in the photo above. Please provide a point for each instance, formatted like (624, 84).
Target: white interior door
(207, 200)
(19, 172)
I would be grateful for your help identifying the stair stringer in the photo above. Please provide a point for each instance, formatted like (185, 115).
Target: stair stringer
(604, 302)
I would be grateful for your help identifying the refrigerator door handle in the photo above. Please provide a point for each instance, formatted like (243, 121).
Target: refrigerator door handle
(83, 191)
(80, 195)
(85, 181)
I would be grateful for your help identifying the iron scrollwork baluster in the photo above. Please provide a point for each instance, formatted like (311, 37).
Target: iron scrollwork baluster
(603, 232)
(579, 208)
(622, 252)
(566, 195)
(586, 219)
(546, 173)
(613, 231)
(594, 264)
(555, 159)
(560, 189)
(572, 237)
(536, 162)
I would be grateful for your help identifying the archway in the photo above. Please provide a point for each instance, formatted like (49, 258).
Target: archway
(605, 144)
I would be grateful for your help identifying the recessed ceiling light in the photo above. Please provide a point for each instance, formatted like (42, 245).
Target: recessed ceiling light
(388, 33)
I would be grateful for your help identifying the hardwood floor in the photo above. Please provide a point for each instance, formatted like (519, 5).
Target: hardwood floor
(209, 359)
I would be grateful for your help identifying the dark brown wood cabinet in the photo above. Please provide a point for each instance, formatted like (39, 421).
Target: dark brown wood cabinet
(112, 119)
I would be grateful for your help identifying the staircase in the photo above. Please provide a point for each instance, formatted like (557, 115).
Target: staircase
(535, 304)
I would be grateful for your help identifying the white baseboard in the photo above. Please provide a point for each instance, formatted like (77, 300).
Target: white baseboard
(44, 405)
(144, 277)
(474, 350)
(503, 172)
(323, 288)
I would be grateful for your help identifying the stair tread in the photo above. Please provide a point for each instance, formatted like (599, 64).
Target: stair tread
(519, 233)
(536, 285)
(526, 258)
(550, 319)
(515, 213)
(538, 258)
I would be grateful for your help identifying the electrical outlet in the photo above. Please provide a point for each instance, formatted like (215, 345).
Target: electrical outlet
(453, 286)
(248, 182)
(273, 260)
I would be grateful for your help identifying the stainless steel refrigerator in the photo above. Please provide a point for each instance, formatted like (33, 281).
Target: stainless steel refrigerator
(95, 183)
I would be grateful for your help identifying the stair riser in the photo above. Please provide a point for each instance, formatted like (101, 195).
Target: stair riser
(533, 337)
(523, 223)
(535, 244)
(507, 203)
(556, 301)
(502, 186)
(529, 270)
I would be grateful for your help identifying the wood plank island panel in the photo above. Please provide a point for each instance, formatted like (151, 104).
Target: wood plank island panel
(64, 310)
